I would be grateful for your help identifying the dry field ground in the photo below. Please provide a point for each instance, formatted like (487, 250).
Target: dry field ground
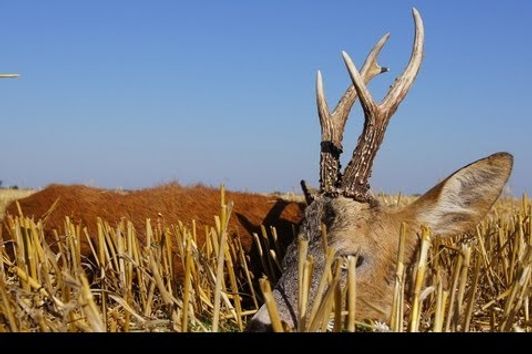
(9, 195)
(480, 282)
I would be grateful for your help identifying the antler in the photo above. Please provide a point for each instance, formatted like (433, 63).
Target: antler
(355, 180)
(333, 124)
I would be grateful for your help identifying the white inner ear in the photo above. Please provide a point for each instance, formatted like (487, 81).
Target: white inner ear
(464, 198)
(467, 188)
(450, 208)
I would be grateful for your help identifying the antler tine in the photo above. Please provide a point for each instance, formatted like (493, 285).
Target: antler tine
(402, 84)
(330, 150)
(333, 124)
(370, 69)
(355, 180)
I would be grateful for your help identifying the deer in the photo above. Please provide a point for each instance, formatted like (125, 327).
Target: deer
(345, 211)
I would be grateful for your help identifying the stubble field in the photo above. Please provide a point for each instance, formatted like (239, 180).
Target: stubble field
(480, 282)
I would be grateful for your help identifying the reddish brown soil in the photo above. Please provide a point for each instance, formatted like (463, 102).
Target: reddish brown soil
(169, 203)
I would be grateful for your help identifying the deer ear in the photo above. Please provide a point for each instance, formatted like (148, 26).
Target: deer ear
(464, 198)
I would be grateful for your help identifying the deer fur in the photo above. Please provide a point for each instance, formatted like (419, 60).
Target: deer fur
(371, 232)
(355, 224)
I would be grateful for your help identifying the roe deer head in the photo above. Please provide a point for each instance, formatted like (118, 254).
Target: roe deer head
(353, 221)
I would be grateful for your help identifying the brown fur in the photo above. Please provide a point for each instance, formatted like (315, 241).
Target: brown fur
(371, 232)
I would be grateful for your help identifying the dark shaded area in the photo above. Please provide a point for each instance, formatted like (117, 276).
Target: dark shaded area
(279, 216)
(286, 232)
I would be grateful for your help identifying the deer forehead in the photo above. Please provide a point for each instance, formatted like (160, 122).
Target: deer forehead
(345, 213)
(353, 226)
(349, 222)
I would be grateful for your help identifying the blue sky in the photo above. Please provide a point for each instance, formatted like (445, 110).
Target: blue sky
(136, 93)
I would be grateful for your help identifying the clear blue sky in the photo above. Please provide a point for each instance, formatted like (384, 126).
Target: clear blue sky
(135, 93)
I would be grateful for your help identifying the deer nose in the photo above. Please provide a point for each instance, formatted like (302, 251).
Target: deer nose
(260, 322)
(258, 326)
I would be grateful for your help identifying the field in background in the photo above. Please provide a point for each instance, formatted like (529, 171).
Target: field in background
(8, 195)
(481, 282)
